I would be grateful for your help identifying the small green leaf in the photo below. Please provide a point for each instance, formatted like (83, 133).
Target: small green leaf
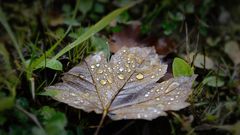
(181, 68)
(100, 44)
(85, 6)
(213, 81)
(52, 64)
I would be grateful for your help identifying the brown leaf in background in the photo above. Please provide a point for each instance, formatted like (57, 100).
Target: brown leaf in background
(130, 37)
(232, 49)
(125, 87)
(163, 46)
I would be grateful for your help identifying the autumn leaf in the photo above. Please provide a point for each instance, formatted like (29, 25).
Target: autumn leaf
(130, 36)
(126, 87)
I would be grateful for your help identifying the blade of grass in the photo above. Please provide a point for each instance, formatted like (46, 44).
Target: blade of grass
(91, 31)
(4, 22)
(8, 79)
(35, 63)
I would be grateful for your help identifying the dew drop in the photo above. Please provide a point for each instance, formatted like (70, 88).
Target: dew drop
(103, 82)
(171, 99)
(138, 115)
(146, 95)
(157, 99)
(121, 76)
(157, 90)
(155, 110)
(109, 69)
(82, 76)
(129, 70)
(124, 50)
(153, 76)
(99, 71)
(97, 65)
(72, 94)
(160, 69)
(139, 76)
(145, 115)
(92, 66)
(121, 69)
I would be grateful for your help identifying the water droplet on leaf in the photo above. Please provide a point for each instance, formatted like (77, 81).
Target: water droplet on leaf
(92, 66)
(99, 71)
(121, 76)
(103, 82)
(121, 69)
(139, 76)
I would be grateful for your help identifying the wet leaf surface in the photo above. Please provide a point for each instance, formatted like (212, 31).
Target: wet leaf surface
(126, 86)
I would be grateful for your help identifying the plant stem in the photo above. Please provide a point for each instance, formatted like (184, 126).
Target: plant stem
(101, 122)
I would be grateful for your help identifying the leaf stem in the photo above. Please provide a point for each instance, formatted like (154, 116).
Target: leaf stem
(101, 122)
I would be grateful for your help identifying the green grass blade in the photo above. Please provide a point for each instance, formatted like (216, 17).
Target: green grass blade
(90, 32)
(4, 22)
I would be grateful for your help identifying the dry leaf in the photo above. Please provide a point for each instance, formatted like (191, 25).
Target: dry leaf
(125, 87)
(201, 61)
(130, 37)
(233, 51)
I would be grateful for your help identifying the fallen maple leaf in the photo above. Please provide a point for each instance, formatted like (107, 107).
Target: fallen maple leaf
(125, 87)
